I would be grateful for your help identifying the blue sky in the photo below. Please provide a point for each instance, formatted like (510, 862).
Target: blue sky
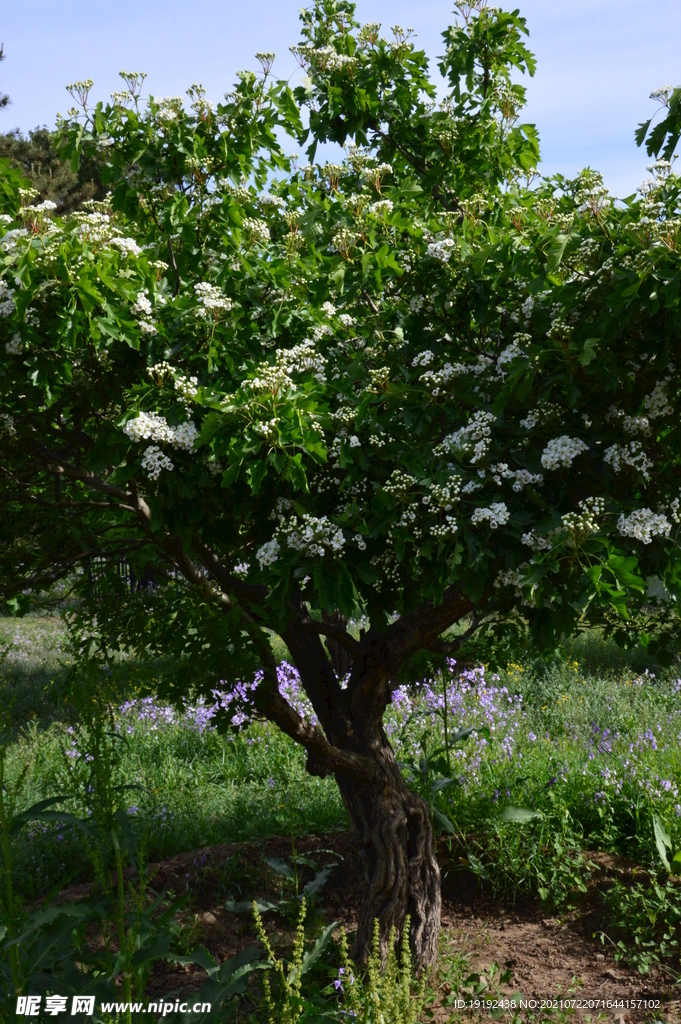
(598, 60)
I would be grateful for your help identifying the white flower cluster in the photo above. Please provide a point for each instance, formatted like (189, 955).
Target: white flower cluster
(168, 108)
(444, 495)
(380, 378)
(535, 416)
(267, 429)
(636, 425)
(644, 524)
(311, 535)
(442, 250)
(324, 57)
(47, 206)
(302, 358)
(154, 462)
(509, 578)
(584, 522)
(538, 542)
(521, 477)
(186, 387)
(271, 201)
(94, 226)
(657, 402)
(142, 305)
(443, 530)
(476, 434)
(141, 308)
(241, 570)
(7, 424)
(424, 358)
(383, 206)
(152, 427)
(497, 514)
(560, 451)
(631, 455)
(15, 346)
(10, 240)
(257, 229)
(7, 303)
(268, 378)
(268, 553)
(211, 298)
(511, 352)
(127, 246)
(399, 483)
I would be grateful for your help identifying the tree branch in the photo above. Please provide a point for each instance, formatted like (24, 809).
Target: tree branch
(341, 636)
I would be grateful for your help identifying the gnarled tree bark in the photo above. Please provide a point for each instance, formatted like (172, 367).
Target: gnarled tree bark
(397, 849)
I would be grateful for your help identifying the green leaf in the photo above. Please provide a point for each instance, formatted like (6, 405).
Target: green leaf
(556, 252)
(256, 473)
(311, 958)
(662, 841)
(519, 815)
(246, 906)
(443, 821)
(318, 882)
(588, 353)
(281, 867)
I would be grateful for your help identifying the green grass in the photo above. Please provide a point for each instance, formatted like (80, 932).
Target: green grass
(589, 746)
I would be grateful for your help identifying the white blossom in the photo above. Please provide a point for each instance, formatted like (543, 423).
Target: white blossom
(15, 346)
(211, 298)
(302, 358)
(657, 402)
(381, 207)
(7, 424)
(643, 524)
(312, 534)
(141, 306)
(497, 514)
(268, 553)
(152, 427)
(631, 455)
(521, 477)
(442, 250)
(275, 202)
(536, 541)
(424, 358)
(476, 434)
(127, 246)
(257, 229)
(7, 303)
(154, 462)
(560, 451)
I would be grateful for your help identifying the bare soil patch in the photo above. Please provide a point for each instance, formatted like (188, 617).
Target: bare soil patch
(549, 956)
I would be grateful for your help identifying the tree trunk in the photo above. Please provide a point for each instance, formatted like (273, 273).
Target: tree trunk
(397, 848)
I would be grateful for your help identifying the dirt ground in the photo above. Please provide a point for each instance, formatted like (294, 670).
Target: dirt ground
(548, 957)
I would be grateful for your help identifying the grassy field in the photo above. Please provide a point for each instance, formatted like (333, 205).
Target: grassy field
(583, 755)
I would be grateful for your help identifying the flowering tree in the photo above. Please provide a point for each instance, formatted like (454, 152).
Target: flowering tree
(412, 383)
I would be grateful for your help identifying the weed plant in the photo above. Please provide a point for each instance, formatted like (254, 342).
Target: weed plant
(524, 770)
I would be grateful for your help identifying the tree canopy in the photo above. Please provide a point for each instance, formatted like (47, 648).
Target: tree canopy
(419, 384)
